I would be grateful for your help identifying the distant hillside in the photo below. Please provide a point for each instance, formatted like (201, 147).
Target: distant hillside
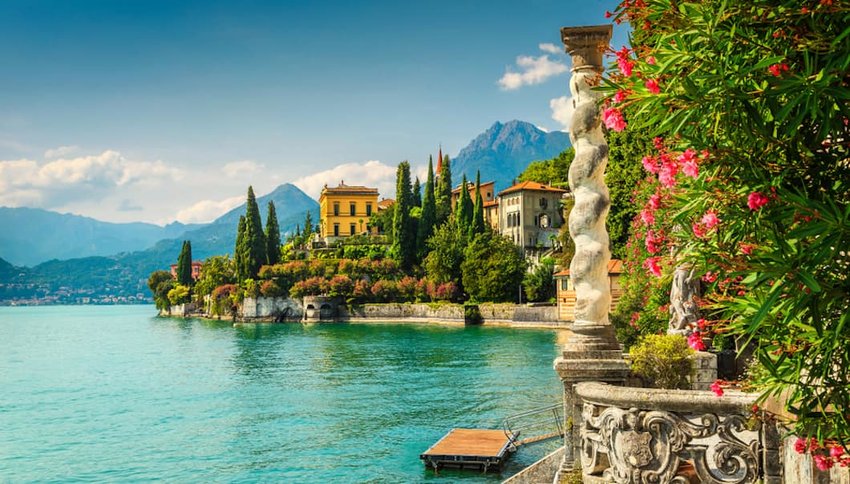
(503, 151)
(33, 235)
(126, 274)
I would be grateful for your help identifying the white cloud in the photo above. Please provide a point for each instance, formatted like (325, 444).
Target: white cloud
(242, 168)
(562, 110)
(372, 174)
(208, 210)
(533, 70)
(60, 151)
(55, 183)
(550, 48)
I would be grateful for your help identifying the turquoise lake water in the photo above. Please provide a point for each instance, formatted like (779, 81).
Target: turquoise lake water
(111, 393)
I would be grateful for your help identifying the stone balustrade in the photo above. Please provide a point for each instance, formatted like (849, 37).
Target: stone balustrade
(638, 435)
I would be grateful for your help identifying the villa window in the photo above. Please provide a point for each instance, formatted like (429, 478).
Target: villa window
(544, 203)
(336, 209)
(544, 221)
(353, 229)
(352, 209)
(368, 209)
(336, 230)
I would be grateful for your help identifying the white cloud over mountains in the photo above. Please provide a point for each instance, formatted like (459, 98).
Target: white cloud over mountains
(532, 70)
(242, 168)
(372, 173)
(208, 210)
(562, 110)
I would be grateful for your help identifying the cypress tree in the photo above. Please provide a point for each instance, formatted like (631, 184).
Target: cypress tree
(184, 264)
(240, 252)
(477, 225)
(417, 193)
(272, 236)
(308, 225)
(463, 212)
(443, 196)
(429, 215)
(255, 239)
(404, 240)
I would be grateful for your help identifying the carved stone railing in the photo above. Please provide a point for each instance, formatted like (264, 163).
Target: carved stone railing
(644, 435)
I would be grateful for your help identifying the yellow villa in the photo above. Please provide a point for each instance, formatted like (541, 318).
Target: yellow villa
(345, 210)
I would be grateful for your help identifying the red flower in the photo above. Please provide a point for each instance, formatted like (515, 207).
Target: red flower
(658, 142)
(647, 217)
(699, 230)
(695, 342)
(778, 69)
(655, 201)
(650, 60)
(800, 445)
(620, 96)
(691, 169)
(756, 200)
(624, 61)
(746, 248)
(652, 242)
(701, 324)
(613, 119)
(651, 264)
(608, 14)
(652, 86)
(667, 173)
(836, 451)
(650, 164)
(717, 388)
(709, 277)
(823, 462)
(710, 219)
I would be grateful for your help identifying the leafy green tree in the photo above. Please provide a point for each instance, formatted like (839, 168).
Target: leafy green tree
(551, 172)
(184, 265)
(160, 282)
(179, 294)
(383, 221)
(272, 236)
(477, 225)
(254, 238)
(463, 211)
(493, 268)
(539, 284)
(443, 262)
(623, 175)
(443, 194)
(417, 193)
(404, 239)
(428, 218)
(217, 270)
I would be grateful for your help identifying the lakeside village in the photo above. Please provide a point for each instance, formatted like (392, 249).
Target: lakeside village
(437, 251)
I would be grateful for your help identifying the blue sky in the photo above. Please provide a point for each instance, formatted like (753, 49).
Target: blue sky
(156, 110)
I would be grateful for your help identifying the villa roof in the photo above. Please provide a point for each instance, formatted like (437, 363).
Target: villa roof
(615, 266)
(471, 185)
(343, 189)
(385, 203)
(491, 203)
(530, 185)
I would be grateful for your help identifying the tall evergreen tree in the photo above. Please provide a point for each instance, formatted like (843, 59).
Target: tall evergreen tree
(428, 218)
(417, 193)
(404, 239)
(255, 239)
(272, 236)
(443, 195)
(184, 264)
(239, 254)
(463, 210)
(308, 225)
(477, 225)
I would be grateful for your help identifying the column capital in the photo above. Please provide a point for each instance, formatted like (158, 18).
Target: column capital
(586, 45)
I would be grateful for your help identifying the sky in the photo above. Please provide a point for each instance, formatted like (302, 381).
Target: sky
(163, 111)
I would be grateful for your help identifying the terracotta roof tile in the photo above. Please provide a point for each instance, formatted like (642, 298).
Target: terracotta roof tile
(529, 185)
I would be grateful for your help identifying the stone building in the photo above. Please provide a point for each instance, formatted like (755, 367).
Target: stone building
(487, 190)
(530, 215)
(345, 210)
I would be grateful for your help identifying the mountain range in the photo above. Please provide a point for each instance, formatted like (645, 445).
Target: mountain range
(504, 150)
(50, 253)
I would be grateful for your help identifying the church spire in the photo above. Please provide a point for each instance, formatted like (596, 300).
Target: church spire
(439, 161)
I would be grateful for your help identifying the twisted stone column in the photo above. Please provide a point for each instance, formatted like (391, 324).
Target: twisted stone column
(591, 353)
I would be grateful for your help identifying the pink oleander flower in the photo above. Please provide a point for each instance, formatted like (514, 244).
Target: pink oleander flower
(756, 200)
(650, 164)
(746, 248)
(667, 174)
(836, 451)
(608, 14)
(647, 217)
(701, 324)
(613, 119)
(778, 69)
(655, 201)
(709, 277)
(624, 61)
(652, 86)
(658, 143)
(717, 388)
(823, 462)
(651, 264)
(652, 242)
(710, 220)
(620, 96)
(699, 230)
(695, 341)
(691, 169)
(650, 60)
(801, 445)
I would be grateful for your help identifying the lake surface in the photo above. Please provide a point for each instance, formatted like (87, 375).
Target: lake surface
(112, 393)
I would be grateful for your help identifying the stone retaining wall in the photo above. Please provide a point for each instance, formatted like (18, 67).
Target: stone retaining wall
(509, 313)
(271, 308)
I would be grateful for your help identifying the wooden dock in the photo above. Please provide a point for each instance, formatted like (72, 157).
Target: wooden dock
(470, 448)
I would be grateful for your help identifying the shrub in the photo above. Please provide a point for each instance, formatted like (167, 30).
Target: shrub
(272, 289)
(312, 286)
(384, 290)
(407, 288)
(472, 314)
(340, 285)
(663, 361)
(362, 290)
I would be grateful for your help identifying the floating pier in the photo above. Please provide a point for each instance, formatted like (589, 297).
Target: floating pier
(471, 449)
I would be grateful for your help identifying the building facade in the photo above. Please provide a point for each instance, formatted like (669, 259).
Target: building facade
(487, 190)
(345, 210)
(567, 291)
(530, 215)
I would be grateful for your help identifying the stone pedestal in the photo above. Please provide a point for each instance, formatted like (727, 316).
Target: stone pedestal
(592, 352)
